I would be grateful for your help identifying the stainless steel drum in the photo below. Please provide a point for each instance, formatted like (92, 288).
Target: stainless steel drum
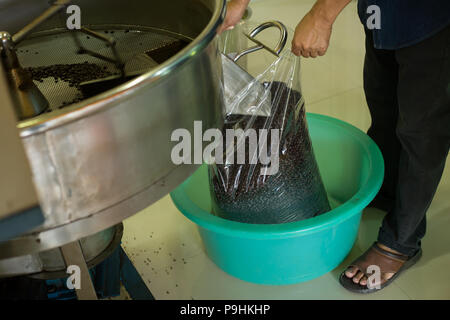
(100, 159)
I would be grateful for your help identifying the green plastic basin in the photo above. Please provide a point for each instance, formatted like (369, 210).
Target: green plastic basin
(352, 169)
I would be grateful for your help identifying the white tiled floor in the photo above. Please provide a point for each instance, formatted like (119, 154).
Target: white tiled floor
(166, 248)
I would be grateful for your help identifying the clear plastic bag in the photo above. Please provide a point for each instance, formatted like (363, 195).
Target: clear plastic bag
(267, 173)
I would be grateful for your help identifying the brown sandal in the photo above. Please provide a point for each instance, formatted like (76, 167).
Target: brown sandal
(388, 262)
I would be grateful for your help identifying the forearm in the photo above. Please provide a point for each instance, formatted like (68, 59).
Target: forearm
(312, 35)
(243, 2)
(235, 11)
(327, 9)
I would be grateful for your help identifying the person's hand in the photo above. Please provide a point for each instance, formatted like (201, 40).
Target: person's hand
(312, 35)
(235, 11)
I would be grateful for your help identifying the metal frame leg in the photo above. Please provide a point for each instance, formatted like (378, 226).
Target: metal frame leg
(73, 255)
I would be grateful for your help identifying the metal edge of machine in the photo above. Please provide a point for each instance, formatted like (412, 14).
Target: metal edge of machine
(54, 237)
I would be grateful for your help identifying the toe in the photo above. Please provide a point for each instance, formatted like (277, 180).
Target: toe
(351, 271)
(363, 281)
(358, 277)
(388, 275)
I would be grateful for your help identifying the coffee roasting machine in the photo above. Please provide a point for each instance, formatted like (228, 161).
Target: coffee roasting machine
(86, 117)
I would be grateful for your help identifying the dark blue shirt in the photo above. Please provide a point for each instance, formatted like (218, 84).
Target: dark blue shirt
(405, 22)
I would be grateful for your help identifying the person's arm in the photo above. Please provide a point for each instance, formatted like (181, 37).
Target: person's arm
(235, 11)
(312, 35)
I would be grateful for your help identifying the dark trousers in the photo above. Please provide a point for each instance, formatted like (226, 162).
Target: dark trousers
(408, 94)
